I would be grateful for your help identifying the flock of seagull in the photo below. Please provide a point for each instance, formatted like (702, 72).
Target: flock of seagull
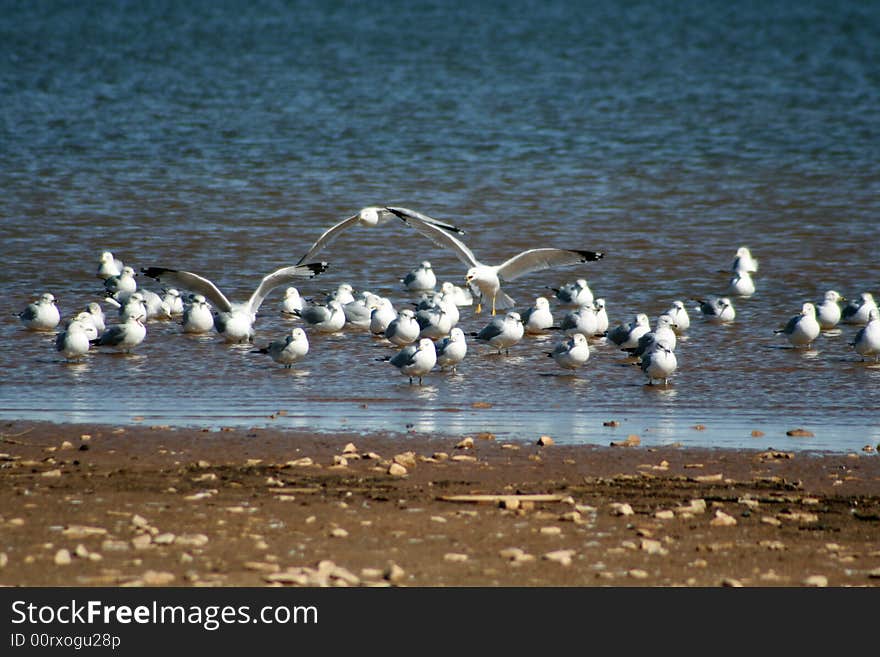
(427, 333)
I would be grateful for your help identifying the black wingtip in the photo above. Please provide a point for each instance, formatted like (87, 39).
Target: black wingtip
(156, 272)
(316, 268)
(590, 256)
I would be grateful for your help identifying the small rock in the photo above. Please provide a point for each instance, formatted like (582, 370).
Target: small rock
(632, 440)
(699, 427)
(397, 470)
(3, 560)
(340, 461)
(560, 556)
(769, 520)
(730, 582)
(873, 574)
(637, 573)
(339, 532)
(467, 443)
(440, 456)
(191, 540)
(81, 551)
(142, 541)
(551, 531)
(455, 557)
(406, 459)
(545, 441)
(112, 545)
(349, 449)
(394, 573)
(157, 578)
(77, 532)
(722, 519)
(621, 509)
(164, 539)
(652, 546)
(708, 479)
(816, 580)
(800, 433)
(481, 405)
(757, 433)
(664, 514)
(464, 458)
(63, 558)
(868, 449)
(371, 573)
(301, 462)
(611, 423)
(51, 473)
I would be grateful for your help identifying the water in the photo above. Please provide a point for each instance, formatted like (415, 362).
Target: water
(224, 139)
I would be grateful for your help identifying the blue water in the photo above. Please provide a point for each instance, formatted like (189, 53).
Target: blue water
(224, 138)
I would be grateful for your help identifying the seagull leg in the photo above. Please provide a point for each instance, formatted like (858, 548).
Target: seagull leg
(479, 307)
(493, 306)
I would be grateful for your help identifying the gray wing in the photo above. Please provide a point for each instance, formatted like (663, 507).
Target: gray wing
(538, 259)
(436, 234)
(494, 328)
(28, 313)
(404, 356)
(112, 336)
(59, 340)
(315, 314)
(413, 217)
(192, 282)
(618, 335)
(328, 236)
(281, 277)
(792, 323)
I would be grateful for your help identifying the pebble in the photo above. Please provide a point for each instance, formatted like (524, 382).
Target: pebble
(142, 541)
(371, 573)
(632, 440)
(63, 558)
(467, 443)
(349, 449)
(611, 423)
(757, 433)
(455, 557)
(545, 441)
(113, 545)
(707, 479)
(339, 532)
(397, 470)
(664, 514)
(816, 580)
(464, 458)
(770, 520)
(730, 582)
(873, 574)
(3, 560)
(722, 519)
(82, 531)
(560, 556)
(164, 539)
(157, 578)
(301, 462)
(652, 546)
(394, 573)
(551, 531)
(621, 509)
(191, 540)
(51, 473)
(406, 459)
(798, 516)
(340, 461)
(800, 433)
(637, 573)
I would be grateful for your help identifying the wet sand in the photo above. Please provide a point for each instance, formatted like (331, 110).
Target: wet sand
(96, 505)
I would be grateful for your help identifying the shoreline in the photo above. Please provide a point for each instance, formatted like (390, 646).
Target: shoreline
(104, 505)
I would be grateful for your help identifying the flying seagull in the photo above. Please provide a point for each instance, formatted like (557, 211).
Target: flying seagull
(488, 278)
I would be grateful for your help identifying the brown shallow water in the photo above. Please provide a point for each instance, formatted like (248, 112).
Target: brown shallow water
(254, 507)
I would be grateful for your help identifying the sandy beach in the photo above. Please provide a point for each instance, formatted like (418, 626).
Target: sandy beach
(89, 505)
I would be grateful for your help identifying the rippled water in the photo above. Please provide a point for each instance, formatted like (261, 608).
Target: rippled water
(224, 140)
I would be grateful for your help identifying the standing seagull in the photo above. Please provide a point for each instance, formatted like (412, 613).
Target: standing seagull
(828, 312)
(538, 318)
(679, 316)
(626, 336)
(572, 353)
(488, 278)
(235, 321)
(659, 363)
(420, 279)
(73, 341)
(325, 319)
(42, 314)
(743, 261)
(502, 333)
(123, 337)
(867, 340)
(803, 328)
(415, 360)
(286, 352)
(369, 216)
(858, 310)
(452, 349)
(404, 328)
(108, 266)
(197, 315)
(717, 310)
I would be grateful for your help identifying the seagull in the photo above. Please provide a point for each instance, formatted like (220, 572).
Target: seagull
(344, 293)
(743, 261)
(173, 299)
(369, 216)
(488, 278)
(96, 316)
(664, 331)
(197, 315)
(601, 316)
(458, 295)
(324, 319)
(405, 329)
(717, 310)
(626, 336)
(741, 284)
(659, 362)
(123, 337)
(73, 341)
(858, 310)
(122, 285)
(291, 302)
(434, 323)
(235, 321)
(828, 312)
(42, 314)
(451, 350)
(286, 352)
(85, 320)
(538, 318)
(679, 316)
(420, 278)
(571, 353)
(502, 332)
(582, 321)
(359, 312)
(867, 340)
(108, 266)
(415, 360)
(383, 314)
(803, 328)
(574, 295)
(155, 305)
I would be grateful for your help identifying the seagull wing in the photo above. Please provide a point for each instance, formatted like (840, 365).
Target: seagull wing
(281, 277)
(538, 259)
(192, 282)
(414, 217)
(437, 234)
(404, 356)
(328, 236)
(491, 330)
